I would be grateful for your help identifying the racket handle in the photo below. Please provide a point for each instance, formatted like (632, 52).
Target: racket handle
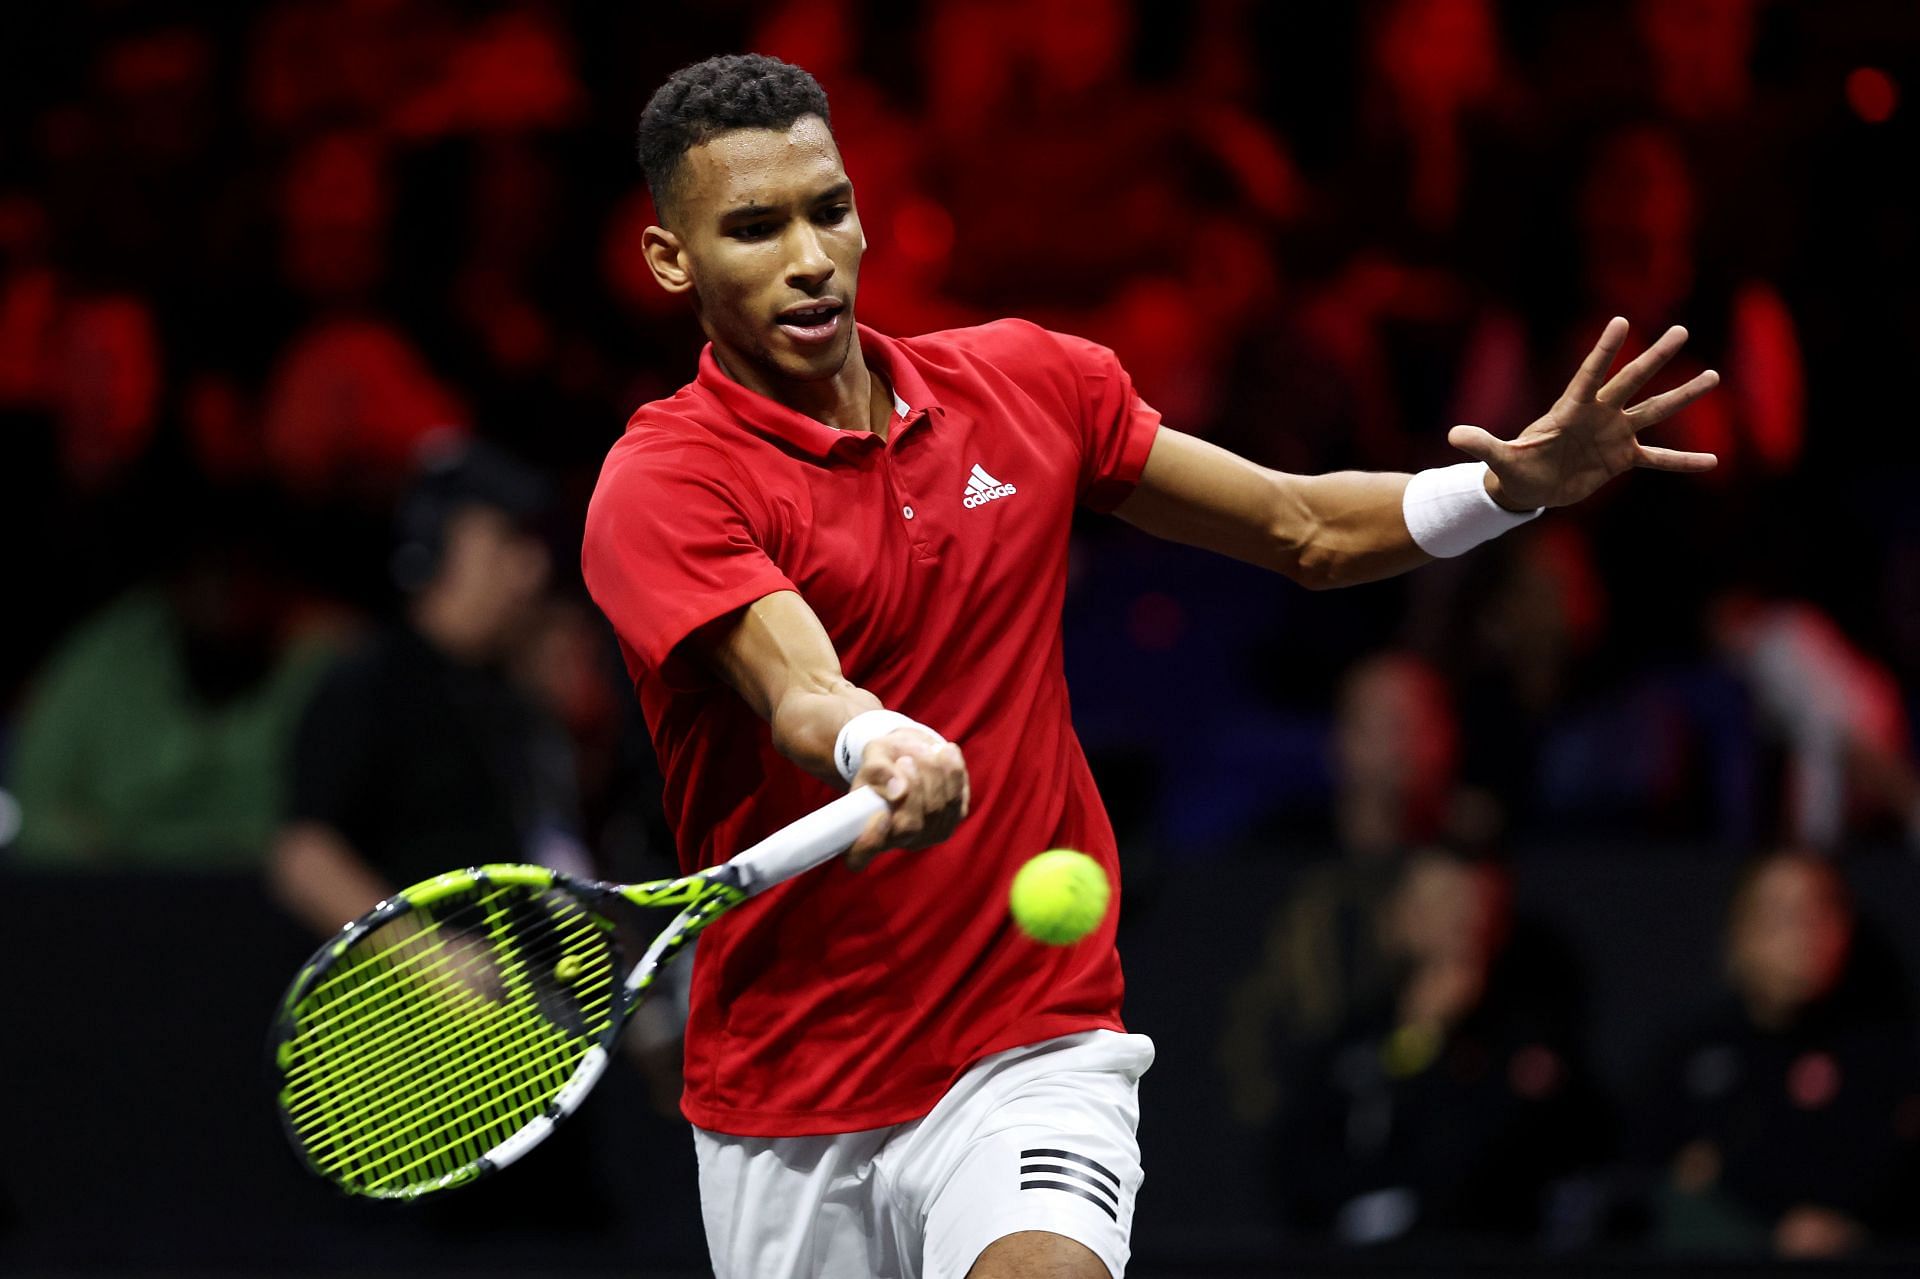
(818, 837)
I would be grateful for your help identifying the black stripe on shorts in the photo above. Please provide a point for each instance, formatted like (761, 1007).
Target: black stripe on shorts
(1061, 1170)
(1069, 1155)
(1087, 1195)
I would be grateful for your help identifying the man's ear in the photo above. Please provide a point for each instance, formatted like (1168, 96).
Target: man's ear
(667, 259)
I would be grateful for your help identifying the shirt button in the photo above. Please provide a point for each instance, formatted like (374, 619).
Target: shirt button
(907, 511)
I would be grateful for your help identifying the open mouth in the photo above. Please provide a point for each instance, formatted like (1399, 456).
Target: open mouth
(813, 321)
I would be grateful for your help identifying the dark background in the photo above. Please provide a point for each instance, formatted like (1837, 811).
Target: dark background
(250, 258)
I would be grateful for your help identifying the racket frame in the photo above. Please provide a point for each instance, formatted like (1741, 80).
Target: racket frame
(703, 897)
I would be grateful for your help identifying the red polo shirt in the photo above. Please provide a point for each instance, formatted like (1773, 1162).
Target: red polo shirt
(937, 561)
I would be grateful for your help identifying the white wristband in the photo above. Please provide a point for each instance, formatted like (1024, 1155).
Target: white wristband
(858, 733)
(1449, 511)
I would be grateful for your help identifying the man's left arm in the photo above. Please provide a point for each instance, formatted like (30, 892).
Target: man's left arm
(1349, 527)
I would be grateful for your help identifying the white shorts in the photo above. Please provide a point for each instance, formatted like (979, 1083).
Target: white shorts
(1035, 1138)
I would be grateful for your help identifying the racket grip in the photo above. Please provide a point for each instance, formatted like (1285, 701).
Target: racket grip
(818, 837)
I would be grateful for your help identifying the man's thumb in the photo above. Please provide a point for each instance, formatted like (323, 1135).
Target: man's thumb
(1476, 443)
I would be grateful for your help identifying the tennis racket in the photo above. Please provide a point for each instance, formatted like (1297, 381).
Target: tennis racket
(446, 1032)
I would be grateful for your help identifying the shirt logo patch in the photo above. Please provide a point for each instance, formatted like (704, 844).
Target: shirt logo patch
(983, 488)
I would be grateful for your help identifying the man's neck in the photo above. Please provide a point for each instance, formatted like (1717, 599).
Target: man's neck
(854, 399)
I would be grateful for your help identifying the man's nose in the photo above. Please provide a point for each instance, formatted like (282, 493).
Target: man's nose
(810, 266)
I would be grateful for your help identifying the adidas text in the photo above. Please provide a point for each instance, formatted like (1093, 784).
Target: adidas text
(983, 488)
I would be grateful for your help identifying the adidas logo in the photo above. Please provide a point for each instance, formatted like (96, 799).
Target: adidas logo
(983, 488)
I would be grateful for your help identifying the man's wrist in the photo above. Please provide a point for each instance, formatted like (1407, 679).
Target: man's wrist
(1450, 510)
(858, 733)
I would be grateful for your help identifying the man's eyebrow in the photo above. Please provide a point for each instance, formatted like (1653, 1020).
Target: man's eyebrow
(740, 213)
(840, 191)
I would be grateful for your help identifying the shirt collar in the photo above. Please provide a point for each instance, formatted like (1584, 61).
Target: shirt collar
(769, 417)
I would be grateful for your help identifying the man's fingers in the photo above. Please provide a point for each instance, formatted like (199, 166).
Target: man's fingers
(1478, 444)
(1627, 382)
(1664, 405)
(956, 773)
(1674, 460)
(1593, 369)
(927, 792)
(897, 784)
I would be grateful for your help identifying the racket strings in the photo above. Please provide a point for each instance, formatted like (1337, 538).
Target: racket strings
(480, 1068)
(395, 1172)
(429, 1067)
(427, 1047)
(391, 938)
(448, 960)
(462, 979)
(485, 1025)
(425, 957)
(472, 1086)
(367, 1127)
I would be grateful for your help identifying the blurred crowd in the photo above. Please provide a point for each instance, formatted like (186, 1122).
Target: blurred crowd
(317, 317)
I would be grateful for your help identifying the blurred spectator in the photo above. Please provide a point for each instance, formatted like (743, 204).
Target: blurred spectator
(509, 72)
(1789, 1120)
(1456, 1106)
(1158, 266)
(1641, 256)
(1404, 323)
(335, 204)
(349, 397)
(349, 402)
(418, 754)
(1700, 52)
(29, 294)
(1438, 100)
(1519, 630)
(1326, 960)
(156, 736)
(316, 63)
(1396, 750)
(570, 666)
(1835, 712)
(105, 383)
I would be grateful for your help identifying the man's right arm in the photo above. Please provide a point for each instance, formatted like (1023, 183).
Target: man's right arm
(317, 877)
(777, 655)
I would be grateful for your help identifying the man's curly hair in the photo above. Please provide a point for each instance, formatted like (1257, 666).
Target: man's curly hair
(734, 91)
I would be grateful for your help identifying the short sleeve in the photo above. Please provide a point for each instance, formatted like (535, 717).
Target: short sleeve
(670, 546)
(1117, 427)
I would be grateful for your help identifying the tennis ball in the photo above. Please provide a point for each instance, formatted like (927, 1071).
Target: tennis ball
(1060, 896)
(568, 968)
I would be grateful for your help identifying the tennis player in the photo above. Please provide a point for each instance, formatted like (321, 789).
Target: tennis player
(838, 556)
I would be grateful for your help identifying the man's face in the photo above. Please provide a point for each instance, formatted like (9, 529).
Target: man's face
(498, 571)
(765, 233)
(1791, 935)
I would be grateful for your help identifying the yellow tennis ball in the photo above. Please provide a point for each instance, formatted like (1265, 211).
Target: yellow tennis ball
(1060, 896)
(568, 968)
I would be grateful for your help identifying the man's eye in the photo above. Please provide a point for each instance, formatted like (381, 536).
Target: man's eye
(832, 214)
(752, 231)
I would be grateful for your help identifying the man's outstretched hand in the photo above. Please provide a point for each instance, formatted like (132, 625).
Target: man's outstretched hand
(1591, 434)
